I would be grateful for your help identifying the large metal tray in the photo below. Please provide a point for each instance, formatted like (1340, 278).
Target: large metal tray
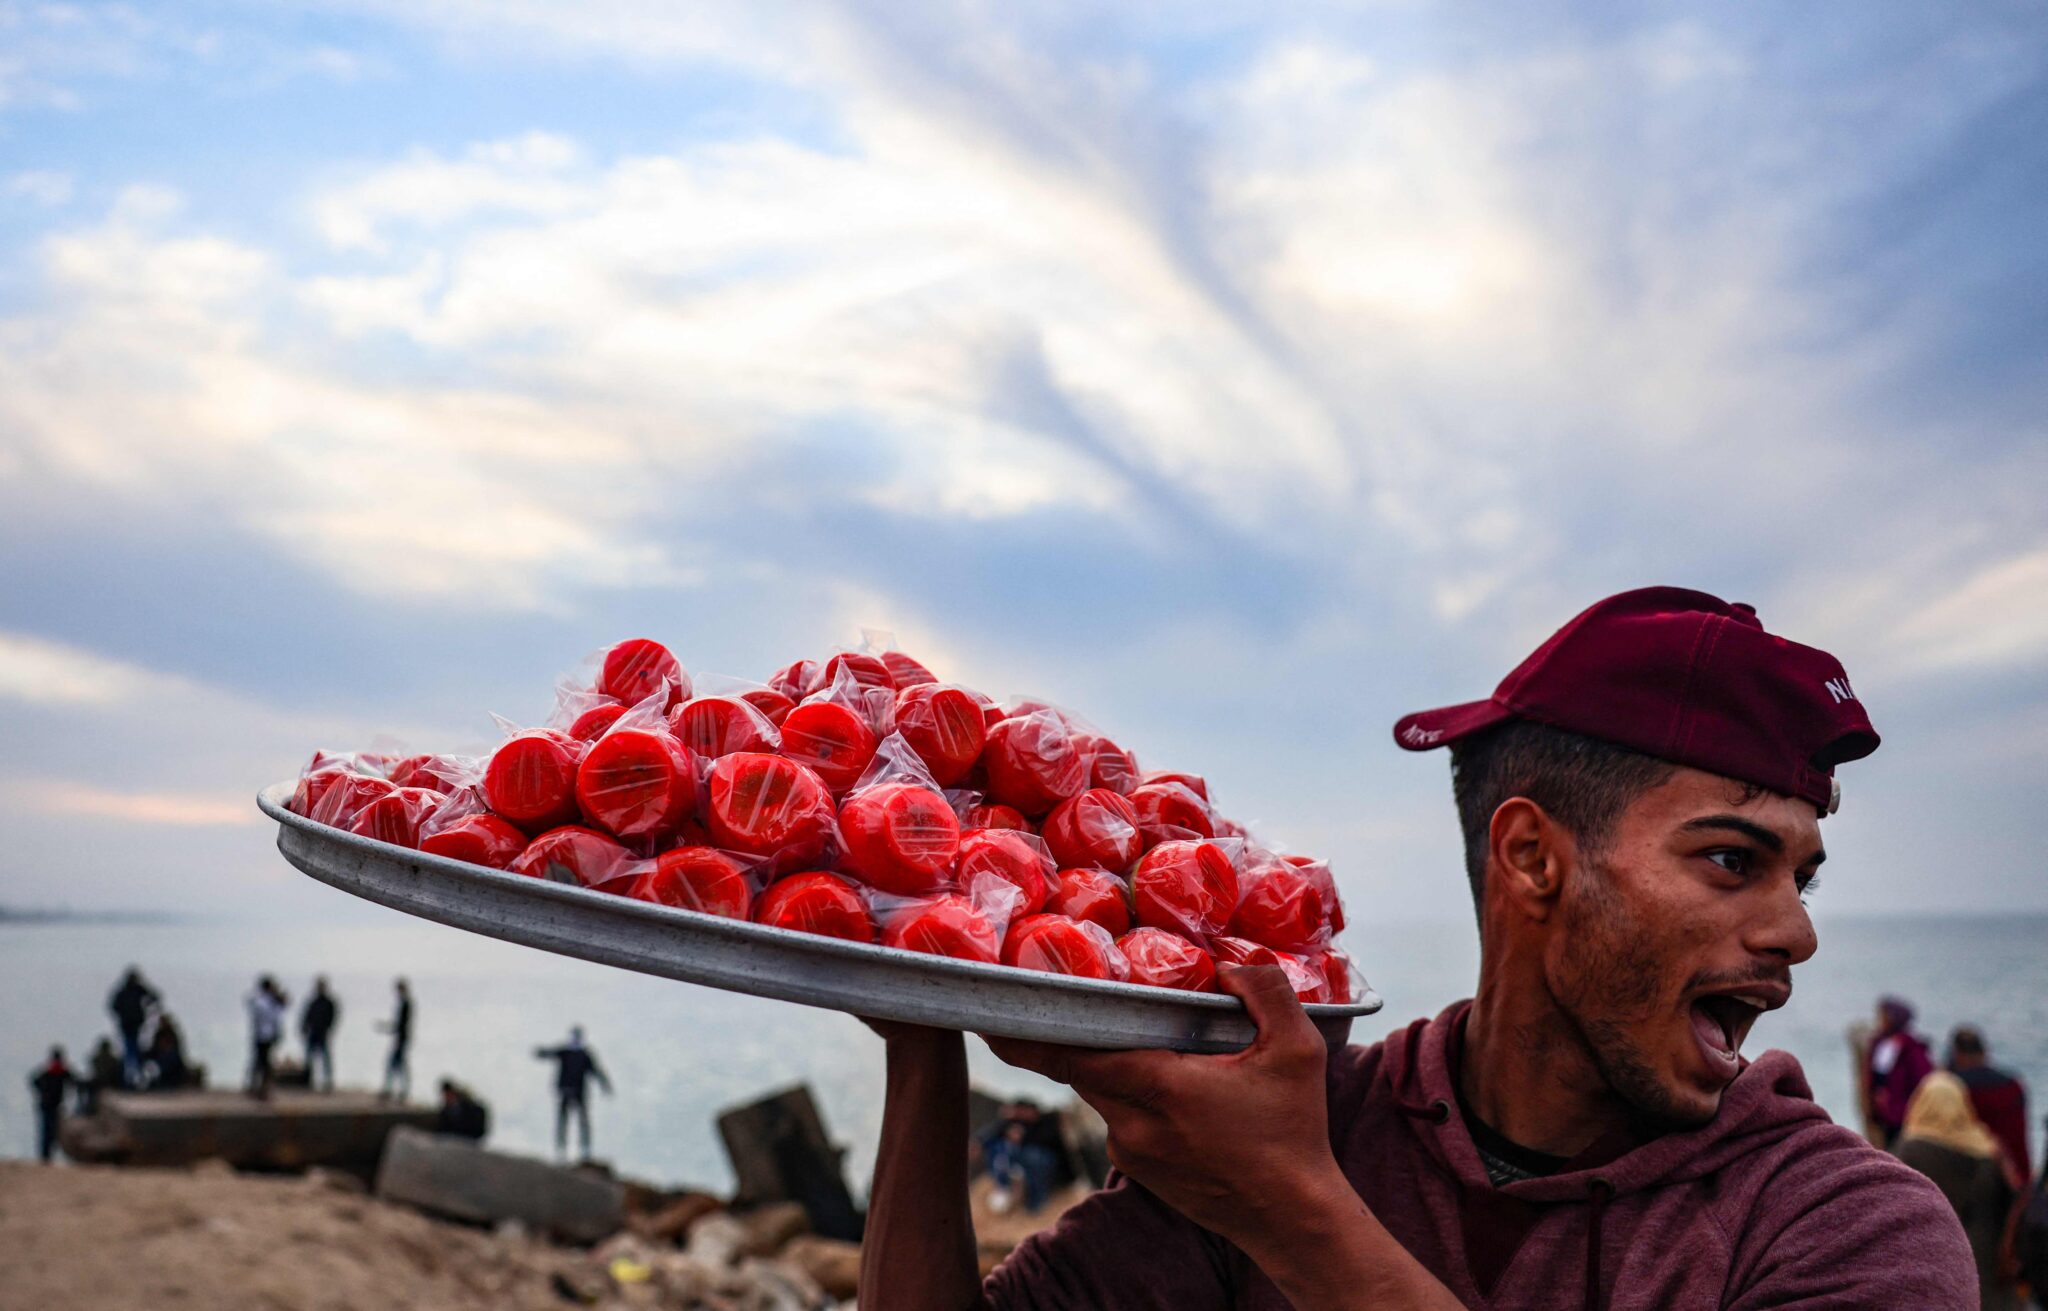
(881, 982)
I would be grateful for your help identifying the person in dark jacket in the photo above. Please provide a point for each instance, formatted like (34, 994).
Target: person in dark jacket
(316, 1022)
(131, 1004)
(1944, 1140)
(461, 1114)
(1999, 1098)
(575, 1066)
(52, 1079)
(166, 1064)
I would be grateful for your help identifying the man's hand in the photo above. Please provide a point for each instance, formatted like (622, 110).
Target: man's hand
(1240, 1144)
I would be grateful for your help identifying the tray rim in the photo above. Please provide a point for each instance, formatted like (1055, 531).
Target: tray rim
(271, 801)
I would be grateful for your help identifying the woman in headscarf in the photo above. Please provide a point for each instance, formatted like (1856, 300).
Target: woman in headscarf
(1944, 1140)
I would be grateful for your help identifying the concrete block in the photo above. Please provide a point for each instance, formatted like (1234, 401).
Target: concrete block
(454, 1178)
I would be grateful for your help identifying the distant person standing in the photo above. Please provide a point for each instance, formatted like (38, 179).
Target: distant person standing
(131, 1004)
(316, 1022)
(1944, 1140)
(397, 1074)
(106, 1075)
(1897, 1062)
(575, 1066)
(266, 1024)
(50, 1082)
(1998, 1097)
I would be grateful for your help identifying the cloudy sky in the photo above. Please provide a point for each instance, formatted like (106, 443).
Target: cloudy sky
(1240, 375)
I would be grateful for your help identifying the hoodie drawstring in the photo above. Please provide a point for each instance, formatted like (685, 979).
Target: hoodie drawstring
(1436, 1110)
(1600, 1192)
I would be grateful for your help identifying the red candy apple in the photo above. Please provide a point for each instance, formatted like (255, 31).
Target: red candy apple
(573, 854)
(531, 779)
(944, 726)
(1167, 960)
(1058, 945)
(990, 815)
(345, 795)
(478, 839)
(1170, 811)
(768, 806)
(1188, 887)
(592, 723)
(773, 705)
(1032, 762)
(1109, 765)
(1097, 828)
(866, 670)
(700, 879)
(714, 726)
(636, 784)
(798, 679)
(1317, 872)
(1280, 909)
(948, 925)
(816, 902)
(1095, 896)
(832, 740)
(1194, 783)
(904, 671)
(638, 668)
(900, 838)
(443, 774)
(1016, 858)
(396, 816)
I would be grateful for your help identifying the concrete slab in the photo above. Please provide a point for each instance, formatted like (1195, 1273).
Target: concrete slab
(454, 1178)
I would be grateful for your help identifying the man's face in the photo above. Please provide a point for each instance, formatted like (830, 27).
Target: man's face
(1680, 933)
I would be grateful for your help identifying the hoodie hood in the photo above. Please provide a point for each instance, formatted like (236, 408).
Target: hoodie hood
(1769, 1100)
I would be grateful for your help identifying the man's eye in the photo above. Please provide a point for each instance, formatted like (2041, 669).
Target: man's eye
(1734, 860)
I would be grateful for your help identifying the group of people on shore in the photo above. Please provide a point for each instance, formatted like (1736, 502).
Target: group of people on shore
(152, 1058)
(1964, 1125)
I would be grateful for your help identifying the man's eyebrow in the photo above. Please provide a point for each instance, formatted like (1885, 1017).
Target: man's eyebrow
(1755, 832)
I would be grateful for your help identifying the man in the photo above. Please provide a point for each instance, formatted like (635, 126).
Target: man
(1640, 802)
(104, 1074)
(266, 1023)
(131, 1003)
(1999, 1098)
(49, 1083)
(1893, 1067)
(316, 1023)
(462, 1115)
(397, 1074)
(575, 1066)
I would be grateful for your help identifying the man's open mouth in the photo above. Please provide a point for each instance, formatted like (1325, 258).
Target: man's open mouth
(1721, 1020)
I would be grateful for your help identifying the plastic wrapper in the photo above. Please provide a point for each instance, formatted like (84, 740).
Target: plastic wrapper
(944, 726)
(899, 836)
(1340, 976)
(1032, 762)
(479, 838)
(817, 902)
(639, 667)
(576, 855)
(1171, 812)
(396, 815)
(965, 925)
(906, 672)
(977, 812)
(322, 772)
(1317, 872)
(444, 774)
(769, 806)
(1189, 888)
(714, 726)
(1194, 783)
(702, 879)
(1109, 765)
(797, 679)
(530, 779)
(1055, 944)
(637, 784)
(1167, 960)
(1094, 895)
(1277, 904)
(1097, 828)
(864, 668)
(1306, 979)
(1018, 859)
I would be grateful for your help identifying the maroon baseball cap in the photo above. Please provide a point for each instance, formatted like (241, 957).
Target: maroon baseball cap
(1685, 677)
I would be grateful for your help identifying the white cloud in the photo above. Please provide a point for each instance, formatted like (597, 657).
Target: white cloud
(45, 673)
(43, 186)
(149, 809)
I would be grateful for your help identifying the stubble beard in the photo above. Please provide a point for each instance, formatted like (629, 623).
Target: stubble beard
(1610, 981)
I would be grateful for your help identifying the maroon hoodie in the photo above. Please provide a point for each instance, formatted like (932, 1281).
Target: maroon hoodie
(1768, 1205)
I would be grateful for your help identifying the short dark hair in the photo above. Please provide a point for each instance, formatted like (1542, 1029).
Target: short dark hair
(1582, 782)
(1966, 1041)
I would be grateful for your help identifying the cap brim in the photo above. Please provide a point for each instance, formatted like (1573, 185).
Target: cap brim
(1426, 730)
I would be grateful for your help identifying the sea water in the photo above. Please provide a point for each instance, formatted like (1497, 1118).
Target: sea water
(677, 1054)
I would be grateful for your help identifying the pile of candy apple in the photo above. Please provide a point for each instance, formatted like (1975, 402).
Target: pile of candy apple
(861, 798)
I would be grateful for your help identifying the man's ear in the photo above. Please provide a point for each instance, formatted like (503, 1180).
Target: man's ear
(1526, 856)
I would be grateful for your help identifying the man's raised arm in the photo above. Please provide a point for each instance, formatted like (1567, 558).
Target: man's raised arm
(918, 1253)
